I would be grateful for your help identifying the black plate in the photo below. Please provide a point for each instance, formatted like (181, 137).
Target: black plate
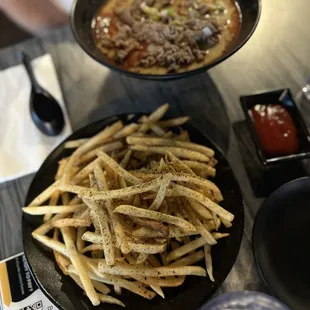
(284, 98)
(84, 11)
(281, 243)
(196, 290)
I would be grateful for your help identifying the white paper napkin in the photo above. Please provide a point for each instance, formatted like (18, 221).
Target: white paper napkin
(23, 147)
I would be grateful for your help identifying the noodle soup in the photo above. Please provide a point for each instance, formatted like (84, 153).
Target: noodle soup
(165, 36)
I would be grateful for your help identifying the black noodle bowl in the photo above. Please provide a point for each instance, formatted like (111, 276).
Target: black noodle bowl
(84, 11)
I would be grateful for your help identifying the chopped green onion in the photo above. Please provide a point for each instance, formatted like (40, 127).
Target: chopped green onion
(170, 12)
(220, 8)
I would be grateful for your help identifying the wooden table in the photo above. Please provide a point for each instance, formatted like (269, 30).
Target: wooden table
(277, 56)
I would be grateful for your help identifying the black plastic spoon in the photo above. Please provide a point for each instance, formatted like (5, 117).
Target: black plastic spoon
(45, 111)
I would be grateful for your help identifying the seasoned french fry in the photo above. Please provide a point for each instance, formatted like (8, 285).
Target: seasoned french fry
(134, 211)
(52, 244)
(189, 260)
(173, 232)
(72, 222)
(94, 274)
(159, 229)
(116, 221)
(217, 235)
(100, 287)
(136, 247)
(153, 261)
(45, 195)
(126, 131)
(85, 172)
(199, 181)
(154, 117)
(65, 198)
(209, 225)
(80, 243)
(121, 193)
(214, 219)
(122, 182)
(73, 144)
(121, 154)
(52, 202)
(118, 168)
(169, 142)
(177, 151)
(200, 228)
(79, 266)
(208, 258)
(142, 258)
(203, 169)
(82, 215)
(110, 300)
(167, 282)
(212, 162)
(182, 177)
(53, 209)
(76, 279)
(61, 260)
(148, 280)
(187, 192)
(92, 247)
(161, 193)
(138, 270)
(147, 247)
(75, 201)
(197, 148)
(103, 225)
(218, 223)
(168, 135)
(49, 225)
(183, 136)
(226, 223)
(109, 147)
(118, 256)
(86, 147)
(174, 122)
(126, 159)
(178, 164)
(130, 116)
(61, 167)
(201, 210)
(181, 251)
(157, 130)
(174, 245)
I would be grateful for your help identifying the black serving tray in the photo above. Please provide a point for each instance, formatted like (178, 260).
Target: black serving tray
(284, 98)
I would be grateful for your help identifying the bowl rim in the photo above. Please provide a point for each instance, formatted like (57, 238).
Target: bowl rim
(257, 222)
(170, 76)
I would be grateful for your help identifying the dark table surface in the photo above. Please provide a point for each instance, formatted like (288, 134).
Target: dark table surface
(277, 56)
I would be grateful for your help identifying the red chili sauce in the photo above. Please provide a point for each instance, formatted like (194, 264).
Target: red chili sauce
(276, 130)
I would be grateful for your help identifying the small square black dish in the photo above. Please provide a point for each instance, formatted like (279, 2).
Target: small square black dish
(283, 98)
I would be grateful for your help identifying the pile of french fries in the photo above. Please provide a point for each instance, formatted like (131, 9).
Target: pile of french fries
(132, 207)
